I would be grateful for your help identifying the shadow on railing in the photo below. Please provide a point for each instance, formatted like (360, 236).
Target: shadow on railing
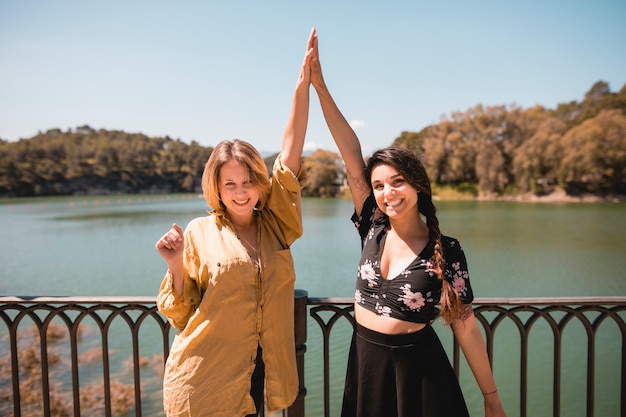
(104, 355)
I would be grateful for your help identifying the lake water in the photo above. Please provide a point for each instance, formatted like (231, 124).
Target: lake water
(105, 246)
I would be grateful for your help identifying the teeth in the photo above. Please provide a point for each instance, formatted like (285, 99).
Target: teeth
(241, 201)
(393, 203)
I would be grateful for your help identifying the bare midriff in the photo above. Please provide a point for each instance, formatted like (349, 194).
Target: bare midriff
(382, 324)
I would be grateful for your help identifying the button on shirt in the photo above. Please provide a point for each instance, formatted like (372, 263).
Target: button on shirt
(230, 306)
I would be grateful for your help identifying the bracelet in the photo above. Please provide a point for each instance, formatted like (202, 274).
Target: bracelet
(489, 393)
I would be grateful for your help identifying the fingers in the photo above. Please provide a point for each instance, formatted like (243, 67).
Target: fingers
(312, 51)
(313, 59)
(170, 243)
(310, 56)
(312, 39)
(172, 240)
(311, 47)
(314, 46)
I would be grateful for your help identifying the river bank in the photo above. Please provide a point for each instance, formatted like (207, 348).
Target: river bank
(556, 196)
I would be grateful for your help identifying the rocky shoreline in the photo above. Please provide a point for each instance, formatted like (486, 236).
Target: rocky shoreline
(557, 196)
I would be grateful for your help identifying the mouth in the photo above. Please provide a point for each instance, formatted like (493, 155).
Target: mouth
(241, 202)
(394, 203)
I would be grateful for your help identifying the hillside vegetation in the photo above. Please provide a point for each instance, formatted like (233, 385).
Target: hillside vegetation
(579, 148)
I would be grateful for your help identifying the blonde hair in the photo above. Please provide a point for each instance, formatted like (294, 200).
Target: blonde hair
(244, 153)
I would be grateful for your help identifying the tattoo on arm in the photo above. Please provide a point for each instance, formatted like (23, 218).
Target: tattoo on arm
(466, 311)
(359, 186)
(358, 182)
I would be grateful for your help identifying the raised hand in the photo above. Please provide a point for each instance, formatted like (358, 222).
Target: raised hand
(170, 245)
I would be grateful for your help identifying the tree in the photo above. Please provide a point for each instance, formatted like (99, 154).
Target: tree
(490, 168)
(412, 140)
(536, 161)
(324, 169)
(594, 155)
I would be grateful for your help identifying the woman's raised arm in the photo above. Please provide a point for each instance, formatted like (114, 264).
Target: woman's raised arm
(295, 131)
(343, 134)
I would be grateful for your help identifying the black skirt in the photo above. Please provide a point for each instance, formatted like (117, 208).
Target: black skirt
(407, 375)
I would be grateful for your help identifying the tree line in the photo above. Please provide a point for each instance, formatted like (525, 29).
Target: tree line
(86, 160)
(579, 147)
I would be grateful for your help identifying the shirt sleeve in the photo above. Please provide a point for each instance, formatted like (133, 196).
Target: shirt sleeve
(179, 310)
(456, 272)
(285, 199)
(370, 214)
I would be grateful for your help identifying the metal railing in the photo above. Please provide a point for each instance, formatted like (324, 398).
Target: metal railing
(39, 331)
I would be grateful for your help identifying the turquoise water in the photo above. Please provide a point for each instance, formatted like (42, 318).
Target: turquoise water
(105, 246)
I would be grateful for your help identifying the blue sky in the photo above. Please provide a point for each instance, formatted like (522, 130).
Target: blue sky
(213, 70)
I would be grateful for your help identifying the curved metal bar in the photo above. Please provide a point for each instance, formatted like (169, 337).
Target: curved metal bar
(524, 313)
(339, 312)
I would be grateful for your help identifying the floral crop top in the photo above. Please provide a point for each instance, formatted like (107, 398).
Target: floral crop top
(412, 295)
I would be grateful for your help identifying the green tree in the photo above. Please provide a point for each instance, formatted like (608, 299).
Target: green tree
(537, 160)
(594, 155)
(323, 168)
(412, 140)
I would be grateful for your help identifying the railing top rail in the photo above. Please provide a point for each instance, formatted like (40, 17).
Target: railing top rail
(589, 300)
(127, 299)
(79, 299)
(518, 301)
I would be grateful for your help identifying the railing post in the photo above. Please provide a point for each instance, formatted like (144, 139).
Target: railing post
(300, 317)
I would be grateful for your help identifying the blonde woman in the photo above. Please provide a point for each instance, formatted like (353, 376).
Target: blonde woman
(229, 288)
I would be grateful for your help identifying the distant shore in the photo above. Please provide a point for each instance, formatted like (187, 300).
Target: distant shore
(557, 196)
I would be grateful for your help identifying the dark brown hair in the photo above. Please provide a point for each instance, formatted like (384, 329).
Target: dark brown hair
(407, 163)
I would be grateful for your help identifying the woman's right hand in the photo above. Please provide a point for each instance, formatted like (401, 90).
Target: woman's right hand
(170, 245)
(317, 79)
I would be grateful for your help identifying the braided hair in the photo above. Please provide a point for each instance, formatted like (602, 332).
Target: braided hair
(407, 163)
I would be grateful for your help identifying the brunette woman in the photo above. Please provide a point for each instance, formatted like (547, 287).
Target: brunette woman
(409, 274)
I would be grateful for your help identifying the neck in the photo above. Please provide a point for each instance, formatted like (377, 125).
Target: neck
(408, 228)
(242, 222)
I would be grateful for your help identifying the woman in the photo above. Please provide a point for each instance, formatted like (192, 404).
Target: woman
(229, 288)
(397, 365)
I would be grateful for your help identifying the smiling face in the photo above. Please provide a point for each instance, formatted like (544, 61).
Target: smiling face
(393, 193)
(237, 193)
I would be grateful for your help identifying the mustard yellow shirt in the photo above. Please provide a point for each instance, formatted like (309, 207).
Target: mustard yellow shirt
(230, 306)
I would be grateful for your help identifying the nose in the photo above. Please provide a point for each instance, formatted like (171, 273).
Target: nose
(387, 190)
